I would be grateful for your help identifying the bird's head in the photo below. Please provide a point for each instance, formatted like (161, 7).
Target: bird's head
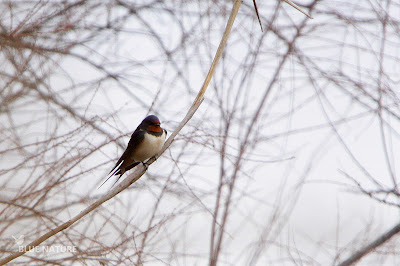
(151, 123)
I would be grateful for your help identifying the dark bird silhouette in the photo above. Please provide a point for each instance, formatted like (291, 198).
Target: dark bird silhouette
(146, 141)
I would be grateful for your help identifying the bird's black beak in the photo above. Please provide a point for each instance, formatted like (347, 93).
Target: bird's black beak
(157, 124)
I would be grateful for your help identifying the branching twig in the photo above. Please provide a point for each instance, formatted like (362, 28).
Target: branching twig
(371, 246)
(287, 1)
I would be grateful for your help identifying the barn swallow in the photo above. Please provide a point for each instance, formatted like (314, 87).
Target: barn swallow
(146, 141)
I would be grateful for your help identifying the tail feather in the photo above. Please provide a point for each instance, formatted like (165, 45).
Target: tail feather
(117, 179)
(115, 171)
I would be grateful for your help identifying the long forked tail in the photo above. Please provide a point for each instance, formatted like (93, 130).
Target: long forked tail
(113, 172)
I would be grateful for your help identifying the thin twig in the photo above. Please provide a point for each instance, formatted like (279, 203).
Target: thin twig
(287, 1)
(297, 7)
(258, 16)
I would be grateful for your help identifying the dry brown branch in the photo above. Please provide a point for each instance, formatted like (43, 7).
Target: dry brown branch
(356, 256)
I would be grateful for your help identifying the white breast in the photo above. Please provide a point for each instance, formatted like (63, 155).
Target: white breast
(150, 146)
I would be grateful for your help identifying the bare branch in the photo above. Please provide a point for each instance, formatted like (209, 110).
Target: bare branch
(379, 241)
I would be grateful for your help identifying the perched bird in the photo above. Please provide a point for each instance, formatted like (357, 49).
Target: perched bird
(146, 141)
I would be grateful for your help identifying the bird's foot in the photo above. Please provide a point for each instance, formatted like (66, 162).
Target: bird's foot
(145, 165)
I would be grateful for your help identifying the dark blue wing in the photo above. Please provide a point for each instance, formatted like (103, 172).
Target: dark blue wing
(126, 162)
